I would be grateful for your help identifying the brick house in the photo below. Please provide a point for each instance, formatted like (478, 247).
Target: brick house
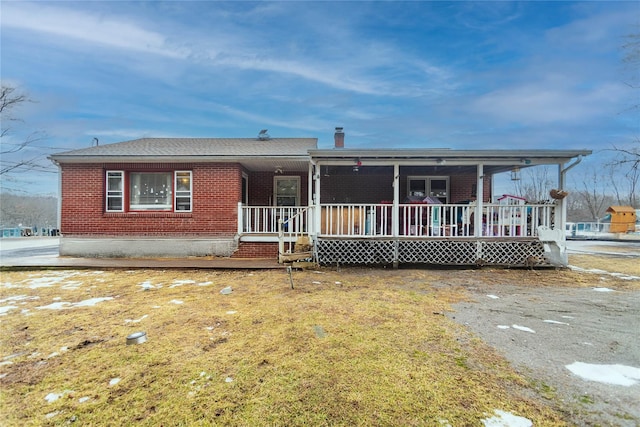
(254, 197)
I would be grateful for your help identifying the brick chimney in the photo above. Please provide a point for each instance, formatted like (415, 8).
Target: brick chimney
(339, 138)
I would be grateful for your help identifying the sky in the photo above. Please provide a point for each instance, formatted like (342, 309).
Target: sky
(460, 75)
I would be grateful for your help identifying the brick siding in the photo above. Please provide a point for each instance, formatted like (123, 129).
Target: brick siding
(216, 193)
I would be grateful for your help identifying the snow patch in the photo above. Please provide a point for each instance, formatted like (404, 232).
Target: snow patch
(63, 304)
(555, 322)
(5, 309)
(493, 296)
(603, 290)
(506, 419)
(523, 328)
(114, 381)
(136, 320)
(609, 374)
(504, 327)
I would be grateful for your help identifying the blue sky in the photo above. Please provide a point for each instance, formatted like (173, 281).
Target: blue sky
(464, 75)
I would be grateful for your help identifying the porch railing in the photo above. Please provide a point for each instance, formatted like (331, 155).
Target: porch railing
(264, 219)
(414, 220)
(422, 220)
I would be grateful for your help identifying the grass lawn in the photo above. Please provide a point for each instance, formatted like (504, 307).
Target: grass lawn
(343, 348)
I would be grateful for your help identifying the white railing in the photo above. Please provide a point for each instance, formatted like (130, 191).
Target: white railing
(291, 228)
(264, 219)
(423, 220)
(414, 220)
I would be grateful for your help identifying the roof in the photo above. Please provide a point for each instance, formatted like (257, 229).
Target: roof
(189, 149)
(526, 157)
(621, 209)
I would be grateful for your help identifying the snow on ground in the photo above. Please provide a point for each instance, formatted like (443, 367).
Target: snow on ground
(506, 419)
(604, 273)
(62, 304)
(608, 374)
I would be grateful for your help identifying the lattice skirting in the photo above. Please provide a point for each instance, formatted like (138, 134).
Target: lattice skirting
(527, 253)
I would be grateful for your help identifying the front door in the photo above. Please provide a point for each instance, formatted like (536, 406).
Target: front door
(286, 191)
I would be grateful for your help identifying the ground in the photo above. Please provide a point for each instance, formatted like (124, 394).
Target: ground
(358, 346)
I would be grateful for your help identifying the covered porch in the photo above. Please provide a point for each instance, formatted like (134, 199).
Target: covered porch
(417, 206)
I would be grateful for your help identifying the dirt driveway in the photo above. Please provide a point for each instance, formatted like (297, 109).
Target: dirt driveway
(579, 344)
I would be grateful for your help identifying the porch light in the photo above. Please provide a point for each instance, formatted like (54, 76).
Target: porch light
(515, 174)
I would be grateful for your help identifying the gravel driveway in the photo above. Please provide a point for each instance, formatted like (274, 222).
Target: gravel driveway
(543, 331)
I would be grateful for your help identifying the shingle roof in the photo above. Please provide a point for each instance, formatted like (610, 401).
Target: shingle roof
(190, 147)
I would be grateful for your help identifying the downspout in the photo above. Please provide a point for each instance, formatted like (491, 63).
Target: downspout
(59, 219)
(562, 178)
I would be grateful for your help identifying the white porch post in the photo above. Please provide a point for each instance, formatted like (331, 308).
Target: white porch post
(240, 224)
(561, 219)
(310, 198)
(477, 217)
(395, 212)
(317, 213)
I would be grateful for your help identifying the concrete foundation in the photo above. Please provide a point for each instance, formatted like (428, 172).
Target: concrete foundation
(147, 247)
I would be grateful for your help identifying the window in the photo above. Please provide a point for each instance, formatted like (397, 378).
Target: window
(183, 191)
(115, 194)
(149, 191)
(286, 190)
(429, 186)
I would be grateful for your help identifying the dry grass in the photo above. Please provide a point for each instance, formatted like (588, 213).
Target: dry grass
(356, 347)
(612, 264)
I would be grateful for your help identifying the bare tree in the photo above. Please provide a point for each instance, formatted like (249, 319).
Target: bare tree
(593, 197)
(628, 156)
(10, 162)
(535, 184)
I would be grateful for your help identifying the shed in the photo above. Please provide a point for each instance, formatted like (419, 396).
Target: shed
(623, 219)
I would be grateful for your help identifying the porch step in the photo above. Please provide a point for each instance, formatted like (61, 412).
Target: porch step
(295, 256)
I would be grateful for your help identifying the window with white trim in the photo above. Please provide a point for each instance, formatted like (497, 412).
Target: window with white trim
(183, 191)
(286, 190)
(149, 191)
(115, 191)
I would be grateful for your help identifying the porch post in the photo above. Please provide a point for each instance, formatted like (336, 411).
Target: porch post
(561, 218)
(310, 227)
(240, 224)
(477, 217)
(317, 213)
(395, 211)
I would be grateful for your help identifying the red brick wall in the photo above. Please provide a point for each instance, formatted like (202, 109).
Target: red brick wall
(216, 193)
(261, 188)
(461, 186)
(256, 250)
(365, 187)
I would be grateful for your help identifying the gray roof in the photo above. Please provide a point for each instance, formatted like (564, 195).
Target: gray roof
(187, 149)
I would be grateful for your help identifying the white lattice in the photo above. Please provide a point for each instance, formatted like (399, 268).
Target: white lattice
(527, 253)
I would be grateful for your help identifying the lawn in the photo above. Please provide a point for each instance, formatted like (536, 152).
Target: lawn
(342, 348)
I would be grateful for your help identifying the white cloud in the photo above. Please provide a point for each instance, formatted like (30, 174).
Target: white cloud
(545, 102)
(86, 28)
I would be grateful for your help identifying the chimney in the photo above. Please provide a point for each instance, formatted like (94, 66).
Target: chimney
(339, 138)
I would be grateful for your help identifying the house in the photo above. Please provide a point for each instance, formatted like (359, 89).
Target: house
(255, 197)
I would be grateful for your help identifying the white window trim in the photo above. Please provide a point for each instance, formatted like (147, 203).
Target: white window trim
(285, 177)
(181, 193)
(107, 196)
